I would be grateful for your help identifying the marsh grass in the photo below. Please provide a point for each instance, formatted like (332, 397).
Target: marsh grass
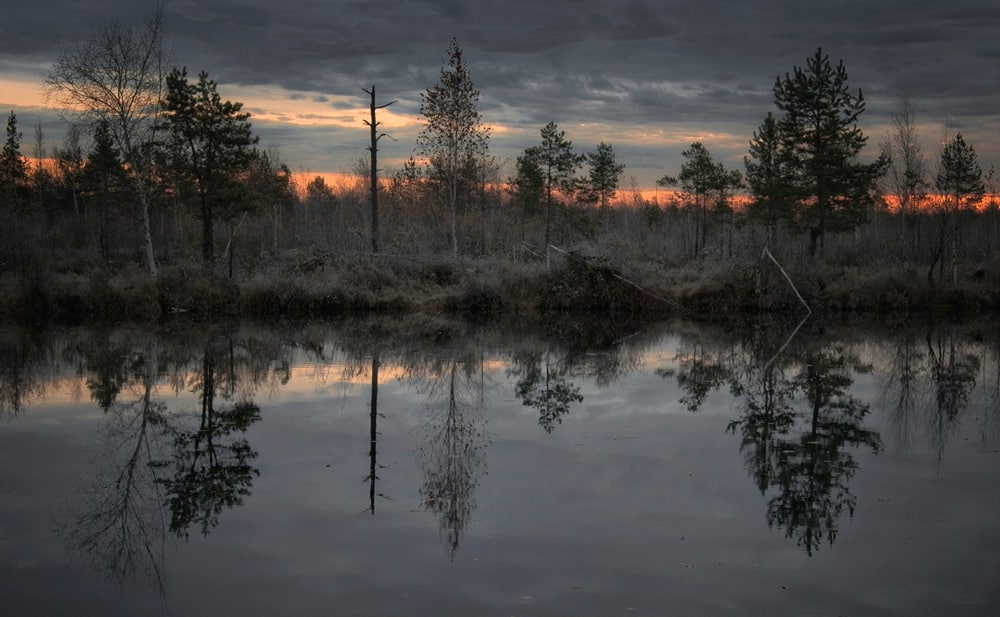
(487, 289)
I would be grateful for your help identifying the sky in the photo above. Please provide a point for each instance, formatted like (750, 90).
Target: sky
(649, 77)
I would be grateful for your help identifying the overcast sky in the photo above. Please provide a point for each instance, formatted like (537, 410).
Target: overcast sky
(650, 77)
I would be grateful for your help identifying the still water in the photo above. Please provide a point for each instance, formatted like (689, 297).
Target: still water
(388, 468)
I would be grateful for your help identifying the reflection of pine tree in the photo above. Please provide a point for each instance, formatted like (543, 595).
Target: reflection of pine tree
(767, 414)
(546, 390)
(812, 472)
(453, 455)
(700, 374)
(109, 365)
(212, 471)
(953, 373)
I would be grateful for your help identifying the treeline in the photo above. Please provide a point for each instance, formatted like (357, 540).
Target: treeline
(163, 171)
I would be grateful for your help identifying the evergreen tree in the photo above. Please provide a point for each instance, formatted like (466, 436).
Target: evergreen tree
(766, 178)
(527, 186)
(103, 180)
(555, 159)
(701, 178)
(210, 142)
(13, 168)
(820, 145)
(605, 173)
(454, 137)
(960, 180)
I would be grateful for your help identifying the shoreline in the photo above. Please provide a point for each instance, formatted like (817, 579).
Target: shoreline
(312, 287)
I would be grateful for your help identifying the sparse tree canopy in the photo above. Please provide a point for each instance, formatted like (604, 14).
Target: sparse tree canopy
(454, 136)
(704, 180)
(820, 146)
(116, 76)
(907, 172)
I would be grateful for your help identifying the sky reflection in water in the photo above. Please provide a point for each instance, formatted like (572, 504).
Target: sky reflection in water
(372, 470)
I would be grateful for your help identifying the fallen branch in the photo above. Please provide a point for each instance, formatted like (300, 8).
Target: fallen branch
(787, 278)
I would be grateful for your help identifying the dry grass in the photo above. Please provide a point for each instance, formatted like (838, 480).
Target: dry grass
(302, 285)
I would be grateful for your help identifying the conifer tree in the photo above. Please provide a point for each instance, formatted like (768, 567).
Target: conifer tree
(604, 174)
(820, 147)
(960, 180)
(454, 138)
(13, 168)
(210, 141)
(766, 178)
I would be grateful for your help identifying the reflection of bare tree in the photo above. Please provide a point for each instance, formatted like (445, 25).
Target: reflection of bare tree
(212, 461)
(929, 390)
(954, 373)
(453, 448)
(546, 389)
(902, 391)
(373, 433)
(120, 523)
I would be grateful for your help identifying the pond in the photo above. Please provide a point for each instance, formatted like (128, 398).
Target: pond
(391, 467)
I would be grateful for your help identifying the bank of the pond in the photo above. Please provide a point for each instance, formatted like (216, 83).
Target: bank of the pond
(489, 289)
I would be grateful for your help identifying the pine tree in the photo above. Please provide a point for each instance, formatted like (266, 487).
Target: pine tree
(604, 175)
(13, 168)
(767, 179)
(701, 178)
(103, 180)
(454, 136)
(820, 146)
(557, 163)
(960, 179)
(210, 142)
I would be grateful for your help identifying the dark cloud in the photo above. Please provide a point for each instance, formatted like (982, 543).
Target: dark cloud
(708, 65)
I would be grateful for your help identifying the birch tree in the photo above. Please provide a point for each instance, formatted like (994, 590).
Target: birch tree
(116, 76)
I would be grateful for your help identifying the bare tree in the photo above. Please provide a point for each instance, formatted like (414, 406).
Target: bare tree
(906, 178)
(373, 148)
(117, 76)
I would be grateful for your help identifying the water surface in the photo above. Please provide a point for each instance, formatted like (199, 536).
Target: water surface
(381, 468)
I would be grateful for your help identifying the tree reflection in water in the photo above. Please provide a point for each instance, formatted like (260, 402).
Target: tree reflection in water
(119, 522)
(797, 434)
(547, 390)
(813, 471)
(23, 357)
(373, 416)
(929, 384)
(163, 471)
(453, 444)
(212, 460)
